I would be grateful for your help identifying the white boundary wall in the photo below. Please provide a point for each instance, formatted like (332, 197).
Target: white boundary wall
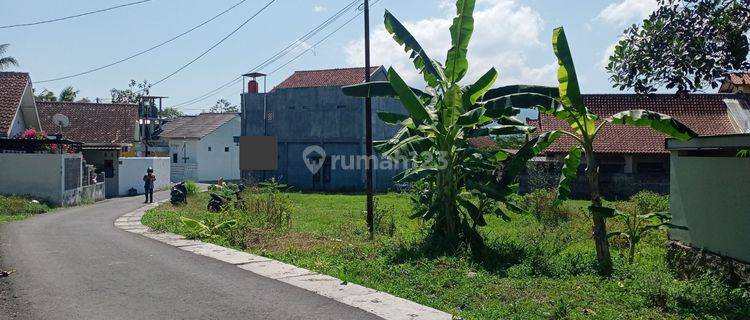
(38, 175)
(132, 171)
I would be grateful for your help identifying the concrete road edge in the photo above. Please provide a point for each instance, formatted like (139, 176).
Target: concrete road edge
(376, 302)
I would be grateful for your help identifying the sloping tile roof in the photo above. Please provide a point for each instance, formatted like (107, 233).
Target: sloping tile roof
(325, 78)
(734, 80)
(483, 143)
(12, 86)
(706, 114)
(195, 127)
(739, 78)
(92, 123)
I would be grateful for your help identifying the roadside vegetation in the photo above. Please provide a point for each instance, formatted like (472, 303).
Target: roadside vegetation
(13, 208)
(540, 265)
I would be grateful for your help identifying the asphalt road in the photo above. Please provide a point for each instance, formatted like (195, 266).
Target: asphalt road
(74, 264)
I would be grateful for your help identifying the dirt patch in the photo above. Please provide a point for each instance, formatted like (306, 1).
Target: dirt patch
(263, 239)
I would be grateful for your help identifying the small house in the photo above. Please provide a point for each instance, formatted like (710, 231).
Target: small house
(106, 130)
(632, 159)
(17, 107)
(203, 147)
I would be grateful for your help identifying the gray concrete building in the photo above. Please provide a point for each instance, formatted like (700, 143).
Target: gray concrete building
(308, 109)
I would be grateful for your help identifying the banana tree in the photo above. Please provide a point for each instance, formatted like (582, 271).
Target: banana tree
(459, 184)
(568, 105)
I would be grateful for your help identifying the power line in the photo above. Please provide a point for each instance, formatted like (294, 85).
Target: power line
(146, 50)
(73, 16)
(280, 54)
(317, 43)
(214, 45)
(277, 55)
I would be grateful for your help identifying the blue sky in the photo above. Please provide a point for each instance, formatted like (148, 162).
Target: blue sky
(512, 35)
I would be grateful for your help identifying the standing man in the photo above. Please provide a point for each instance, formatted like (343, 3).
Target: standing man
(148, 185)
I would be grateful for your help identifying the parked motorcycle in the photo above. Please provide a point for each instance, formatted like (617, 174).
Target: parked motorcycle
(223, 195)
(178, 194)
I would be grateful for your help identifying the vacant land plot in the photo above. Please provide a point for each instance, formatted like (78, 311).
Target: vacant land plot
(537, 268)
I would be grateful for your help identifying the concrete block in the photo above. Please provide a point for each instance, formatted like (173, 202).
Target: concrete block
(137, 230)
(223, 254)
(393, 308)
(327, 286)
(275, 270)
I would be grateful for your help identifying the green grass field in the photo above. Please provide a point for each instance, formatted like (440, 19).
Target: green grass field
(533, 272)
(17, 208)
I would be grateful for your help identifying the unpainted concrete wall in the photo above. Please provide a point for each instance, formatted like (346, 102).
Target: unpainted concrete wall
(322, 116)
(709, 196)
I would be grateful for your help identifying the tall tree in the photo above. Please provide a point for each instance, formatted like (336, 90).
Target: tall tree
(457, 182)
(46, 96)
(222, 106)
(685, 45)
(5, 61)
(170, 113)
(568, 105)
(68, 94)
(132, 94)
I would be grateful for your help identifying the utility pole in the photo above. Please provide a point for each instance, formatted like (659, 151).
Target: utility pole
(368, 126)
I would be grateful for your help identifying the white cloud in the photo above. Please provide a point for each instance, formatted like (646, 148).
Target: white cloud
(320, 8)
(607, 53)
(504, 33)
(626, 11)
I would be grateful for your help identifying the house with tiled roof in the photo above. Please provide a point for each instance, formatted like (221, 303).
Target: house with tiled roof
(633, 158)
(736, 82)
(308, 109)
(203, 147)
(106, 131)
(17, 107)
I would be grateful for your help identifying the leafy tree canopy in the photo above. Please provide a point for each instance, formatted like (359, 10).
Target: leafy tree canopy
(223, 106)
(685, 45)
(5, 61)
(132, 94)
(170, 113)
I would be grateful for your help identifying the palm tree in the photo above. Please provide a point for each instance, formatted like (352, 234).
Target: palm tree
(68, 94)
(6, 62)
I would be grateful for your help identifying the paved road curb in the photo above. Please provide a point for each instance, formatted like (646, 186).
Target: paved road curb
(376, 302)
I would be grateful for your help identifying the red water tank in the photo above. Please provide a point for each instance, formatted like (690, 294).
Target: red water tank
(252, 86)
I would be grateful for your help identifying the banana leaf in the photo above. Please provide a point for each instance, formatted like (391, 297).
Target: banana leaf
(456, 64)
(419, 57)
(657, 121)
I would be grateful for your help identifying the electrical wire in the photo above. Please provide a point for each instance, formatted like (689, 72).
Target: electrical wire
(214, 45)
(276, 56)
(73, 16)
(280, 54)
(146, 50)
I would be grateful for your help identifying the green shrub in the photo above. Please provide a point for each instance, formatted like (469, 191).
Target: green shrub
(191, 187)
(270, 206)
(649, 201)
(545, 207)
(384, 218)
(645, 212)
(13, 205)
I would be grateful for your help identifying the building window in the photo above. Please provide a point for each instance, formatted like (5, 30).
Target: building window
(226, 149)
(606, 168)
(174, 158)
(651, 167)
(125, 149)
(209, 148)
